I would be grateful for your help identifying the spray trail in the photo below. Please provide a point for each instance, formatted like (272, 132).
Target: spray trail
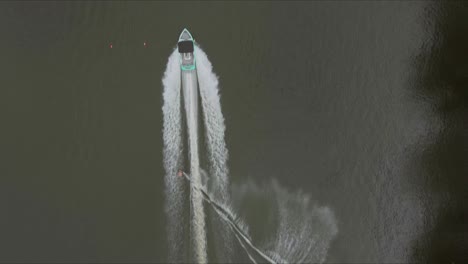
(234, 223)
(303, 230)
(217, 150)
(190, 84)
(300, 231)
(172, 153)
(214, 125)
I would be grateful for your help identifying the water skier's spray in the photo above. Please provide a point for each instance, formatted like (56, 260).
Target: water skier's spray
(303, 231)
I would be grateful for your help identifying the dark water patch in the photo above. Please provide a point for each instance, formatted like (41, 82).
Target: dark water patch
(443, 83)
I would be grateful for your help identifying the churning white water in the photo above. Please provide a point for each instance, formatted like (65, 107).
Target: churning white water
(174, 81)
(216, 149)
(172, 153)
(217, 152)
(198, 230)
(234, 223)
(214, 126)
(302, 231)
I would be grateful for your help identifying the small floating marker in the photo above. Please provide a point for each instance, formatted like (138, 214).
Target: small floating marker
(110, 45)
(145, 44)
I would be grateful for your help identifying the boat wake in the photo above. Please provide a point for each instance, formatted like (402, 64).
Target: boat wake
(293, 229)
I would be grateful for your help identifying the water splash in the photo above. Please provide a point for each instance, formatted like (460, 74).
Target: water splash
(172, 153)
(235, 224)
(198, 225)
(214, 126)
(302, 230)
(305, 229)
(303, 233)
(216, 150)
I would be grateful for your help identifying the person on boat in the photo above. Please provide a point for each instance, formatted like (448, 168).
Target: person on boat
(180, 173)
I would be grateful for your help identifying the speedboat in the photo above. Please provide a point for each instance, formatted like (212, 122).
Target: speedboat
(186, 50)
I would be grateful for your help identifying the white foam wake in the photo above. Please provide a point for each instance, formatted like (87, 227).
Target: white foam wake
(214, 126)
(302, 230)
(216, 148)
(198, 225)
(234, 223)
(172, 153)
